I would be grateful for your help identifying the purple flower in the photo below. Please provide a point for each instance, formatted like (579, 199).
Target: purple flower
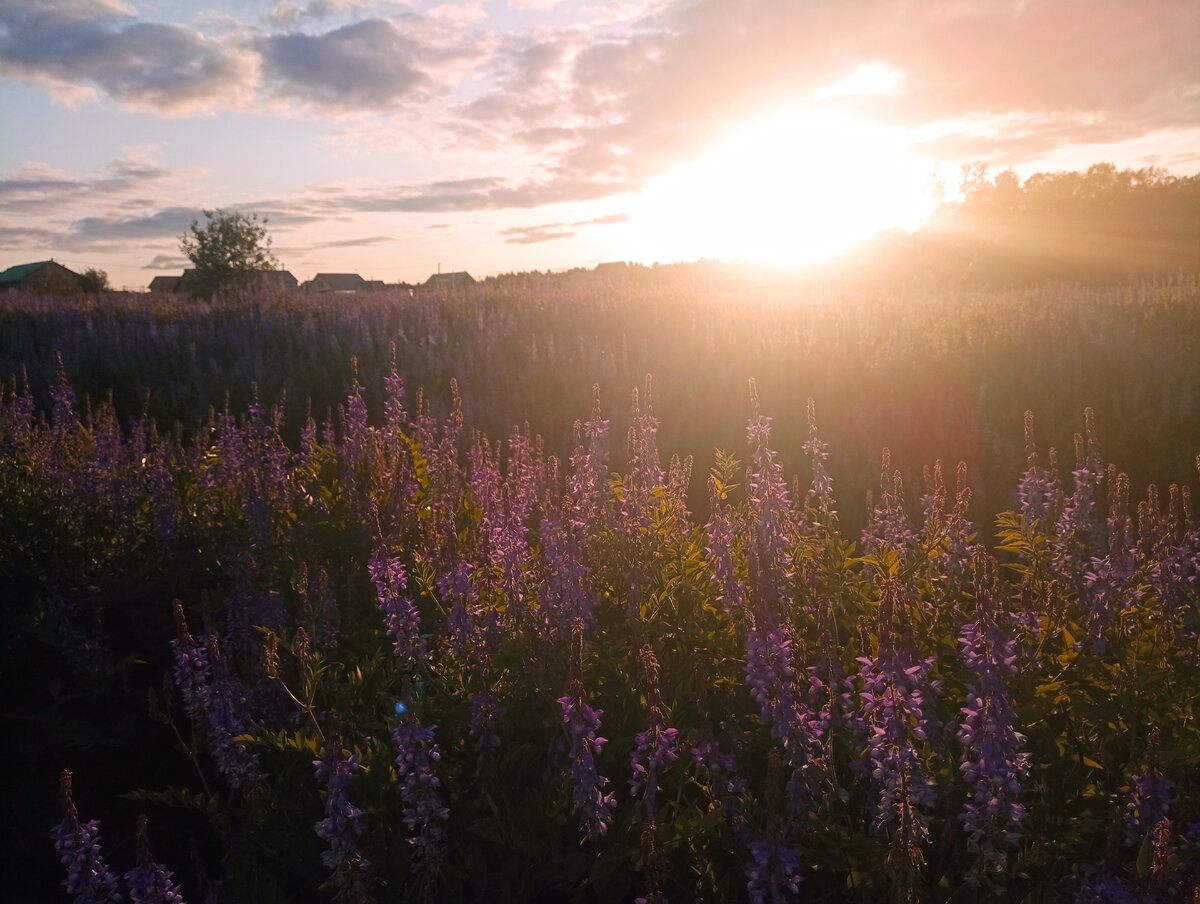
(655, 746)
(588, 484)
(400, 616)
(214, 701)
(486, 711)
(1169, 543)
(582, 723)
(88, 879)
(1099, 886)
(770, 504)
(645, 471)
(441, 483)
(505, 505)
(228, 719)
(1150, 798)
(1078, 520)
(651, 866)
(423, 811)
(774, 868)
(150, 882)
(893, 709)
(721, 539)
(342, 825)
(993, 765)
(887, 522)
(725, 780)
(818, 452)
(1039, 493)
(774, 682)
(564, 594)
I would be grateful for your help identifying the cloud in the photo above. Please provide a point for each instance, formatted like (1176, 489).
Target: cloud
(168, 222)
(453, 196)
(355, 243)
(28, 237)
(167, 262)
(460, 12)
(580, 110)
(547, 232)
(622, 101)
(867, 79)
(37, 188)
(606, 220)
(531, 235)
(289, 13)
(367, 64)
(540, 6)
(168, 68)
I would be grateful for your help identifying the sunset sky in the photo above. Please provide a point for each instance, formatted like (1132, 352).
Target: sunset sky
(391, 138)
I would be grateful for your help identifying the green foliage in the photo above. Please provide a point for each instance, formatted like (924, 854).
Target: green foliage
(94, 280)
(231, 249)
(267, 547)
(1087, 225)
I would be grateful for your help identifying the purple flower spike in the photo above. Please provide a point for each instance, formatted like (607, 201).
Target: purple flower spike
(721, 539)
(486, 711)
(89, 879)
(818, 452)
(1150, 798)
(150, 882)
(400, 615)
(582, 722)
(655, 746)
(894, 714)
(342, 825)
(774, 868)
(214, 700)
(993, 765)
(424, 812)
(770, 503)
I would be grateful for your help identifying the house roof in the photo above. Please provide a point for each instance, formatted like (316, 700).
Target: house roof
(281, 277)
(458, 276)
(339, 282)
(22, 272)
(165, 283)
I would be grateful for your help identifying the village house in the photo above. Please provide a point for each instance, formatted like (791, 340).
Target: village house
(280, 279)
(165, 283)
(460, 279)
(342, 283)
(42, 276)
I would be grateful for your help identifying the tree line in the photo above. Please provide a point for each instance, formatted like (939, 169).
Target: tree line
(1098, 225)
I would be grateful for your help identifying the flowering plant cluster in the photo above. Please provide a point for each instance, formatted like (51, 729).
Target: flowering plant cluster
(405, 664)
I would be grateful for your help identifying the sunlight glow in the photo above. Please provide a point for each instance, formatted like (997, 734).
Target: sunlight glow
(869, 78)
(788, 190)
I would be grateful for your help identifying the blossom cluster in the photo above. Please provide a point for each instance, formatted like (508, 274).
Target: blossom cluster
(582, 724)
(342, 824)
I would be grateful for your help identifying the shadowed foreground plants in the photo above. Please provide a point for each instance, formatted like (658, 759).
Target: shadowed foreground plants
(405, 663)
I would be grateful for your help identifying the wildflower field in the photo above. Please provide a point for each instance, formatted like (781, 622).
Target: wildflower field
(295, 613)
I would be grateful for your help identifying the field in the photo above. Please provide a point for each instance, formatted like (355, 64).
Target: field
(669, 587)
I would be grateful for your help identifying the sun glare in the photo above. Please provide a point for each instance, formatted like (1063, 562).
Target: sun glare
(789, 190)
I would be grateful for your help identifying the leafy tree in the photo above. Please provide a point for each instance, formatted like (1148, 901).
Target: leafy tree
(231, 249)
(94, 280)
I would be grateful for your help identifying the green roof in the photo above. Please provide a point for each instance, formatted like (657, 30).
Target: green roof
(21, 271)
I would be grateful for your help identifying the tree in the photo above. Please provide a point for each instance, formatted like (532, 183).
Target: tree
(231, 249)
(94, 280)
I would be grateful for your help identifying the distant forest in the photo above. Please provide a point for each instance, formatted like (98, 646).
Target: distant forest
(1092, 226)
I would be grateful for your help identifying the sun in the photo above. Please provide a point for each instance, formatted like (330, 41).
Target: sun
(788, 190)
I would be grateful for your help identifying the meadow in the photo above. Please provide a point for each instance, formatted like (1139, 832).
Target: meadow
(681, 585)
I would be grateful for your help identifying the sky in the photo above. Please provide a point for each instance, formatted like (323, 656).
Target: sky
(395, 139)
